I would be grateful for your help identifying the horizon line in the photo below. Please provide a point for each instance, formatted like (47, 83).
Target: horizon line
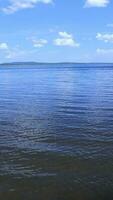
(60, 62)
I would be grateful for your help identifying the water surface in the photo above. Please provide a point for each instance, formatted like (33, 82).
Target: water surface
(56, 132)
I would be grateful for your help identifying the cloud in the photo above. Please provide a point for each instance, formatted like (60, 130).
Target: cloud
(16, 5)
(97, 3)
(10, 53)
(110, 25)
(39, 43)
(105, 37)
(104, 51)
(3, 46)
(66, 39)
(14, 53)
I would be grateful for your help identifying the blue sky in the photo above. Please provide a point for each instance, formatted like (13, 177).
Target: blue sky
(56, 30)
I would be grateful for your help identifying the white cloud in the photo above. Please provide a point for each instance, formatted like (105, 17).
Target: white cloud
(66, 39)
(16, 5)
(14, 53)
(10, 53)
(105, 37)
(39, 43)
(3, 46)
(65, 35)
(104, 51)
(110, 25)
(97, 3)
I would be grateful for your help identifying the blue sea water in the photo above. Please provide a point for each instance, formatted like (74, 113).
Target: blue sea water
(56, 132)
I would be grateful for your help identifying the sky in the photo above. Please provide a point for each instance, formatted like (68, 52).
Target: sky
(56, 30)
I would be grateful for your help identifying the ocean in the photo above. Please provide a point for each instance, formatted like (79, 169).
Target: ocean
(56, 132)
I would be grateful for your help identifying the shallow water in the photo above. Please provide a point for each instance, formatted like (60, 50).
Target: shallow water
(56, 132)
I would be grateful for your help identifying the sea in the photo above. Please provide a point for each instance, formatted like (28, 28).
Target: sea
(56, 131)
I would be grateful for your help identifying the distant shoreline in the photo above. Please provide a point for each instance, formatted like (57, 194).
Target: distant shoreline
(54, 63)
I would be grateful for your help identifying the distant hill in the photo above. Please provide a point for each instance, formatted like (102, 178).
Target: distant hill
(21, 63)
(60, 63)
